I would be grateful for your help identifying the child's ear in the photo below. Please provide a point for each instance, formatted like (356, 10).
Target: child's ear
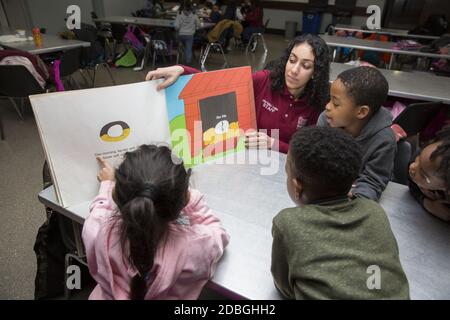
(113, 194)
(188, 197)
(298, 189)
(363, 112)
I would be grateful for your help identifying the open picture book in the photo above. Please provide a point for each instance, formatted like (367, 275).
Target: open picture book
(201, 117)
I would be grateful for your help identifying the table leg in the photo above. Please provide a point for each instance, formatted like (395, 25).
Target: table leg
(144, 58)
(422, 63)
(78, 241)
(391, 61)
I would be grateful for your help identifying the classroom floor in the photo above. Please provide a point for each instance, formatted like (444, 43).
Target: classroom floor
(21, 160)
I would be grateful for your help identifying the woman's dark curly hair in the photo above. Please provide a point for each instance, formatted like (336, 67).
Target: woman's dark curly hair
(317, 89)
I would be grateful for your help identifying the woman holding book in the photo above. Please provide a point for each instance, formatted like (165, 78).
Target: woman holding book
(289, 96)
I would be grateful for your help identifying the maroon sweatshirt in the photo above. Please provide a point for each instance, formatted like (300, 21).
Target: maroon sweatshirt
(255, 17)
(277, 110)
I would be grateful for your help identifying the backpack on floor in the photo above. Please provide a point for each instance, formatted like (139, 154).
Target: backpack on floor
(127, 59)
(55, 238)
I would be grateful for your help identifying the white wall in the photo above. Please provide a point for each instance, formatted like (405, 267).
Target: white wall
(278, 18)
(3, 19)
(122, 7)
(17, 14)
(125, 7)
(50, 14)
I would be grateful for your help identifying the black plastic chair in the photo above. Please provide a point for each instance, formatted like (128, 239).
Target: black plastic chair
(16, 82)
(118, 32)
(70, 63)
(95, 55)
(416, 116)
(255, 37)
(403, 157)
(164, 45)
(105, 36)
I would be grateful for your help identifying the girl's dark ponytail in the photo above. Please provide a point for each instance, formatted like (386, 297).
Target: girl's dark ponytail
(150, 192)
(143, 234)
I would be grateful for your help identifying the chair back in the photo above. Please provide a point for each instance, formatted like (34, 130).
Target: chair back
(16, 81)
(70, 62)
(95, 51)
(416, 116)
(403, 157)
(118, 31)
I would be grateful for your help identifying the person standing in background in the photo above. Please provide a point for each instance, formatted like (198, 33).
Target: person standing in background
(186, 23)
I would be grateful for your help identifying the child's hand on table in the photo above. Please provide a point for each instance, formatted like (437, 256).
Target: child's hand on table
(106, 172)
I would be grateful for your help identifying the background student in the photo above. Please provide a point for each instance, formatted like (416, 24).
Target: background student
(253, 19)
(357, 96)
(186, 23)
(324, 247)
(429, 176)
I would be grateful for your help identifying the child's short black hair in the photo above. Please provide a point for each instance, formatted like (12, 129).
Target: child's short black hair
(367, 86)
(443, 151)
(325, 160)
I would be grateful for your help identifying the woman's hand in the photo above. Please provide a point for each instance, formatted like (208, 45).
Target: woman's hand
(438, 208)
(350, 193)
(258, 140)
(170, 74)
(106, 172)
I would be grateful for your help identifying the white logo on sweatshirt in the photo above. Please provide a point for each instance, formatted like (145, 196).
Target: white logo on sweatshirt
(268, 106)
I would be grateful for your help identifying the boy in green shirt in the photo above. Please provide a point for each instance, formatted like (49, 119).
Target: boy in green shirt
(330, 246)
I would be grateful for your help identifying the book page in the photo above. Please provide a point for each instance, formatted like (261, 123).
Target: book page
(209, 112)
(76, 126)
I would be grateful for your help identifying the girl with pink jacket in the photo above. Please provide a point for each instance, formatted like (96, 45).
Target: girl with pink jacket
(149, 236)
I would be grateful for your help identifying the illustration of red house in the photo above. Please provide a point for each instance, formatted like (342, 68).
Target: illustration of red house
(224, 103)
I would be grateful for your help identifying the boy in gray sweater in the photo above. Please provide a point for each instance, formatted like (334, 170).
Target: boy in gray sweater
(330, 246)
(357, 96)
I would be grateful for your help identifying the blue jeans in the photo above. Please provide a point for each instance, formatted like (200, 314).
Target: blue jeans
(187, 43)
(249, 31)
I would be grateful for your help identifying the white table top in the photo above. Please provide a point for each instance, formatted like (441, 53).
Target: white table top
(173, 14)
(374, 45)
(413, 85)
(50, 43)
(246, 201)
(152, 22)
(386, 31)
